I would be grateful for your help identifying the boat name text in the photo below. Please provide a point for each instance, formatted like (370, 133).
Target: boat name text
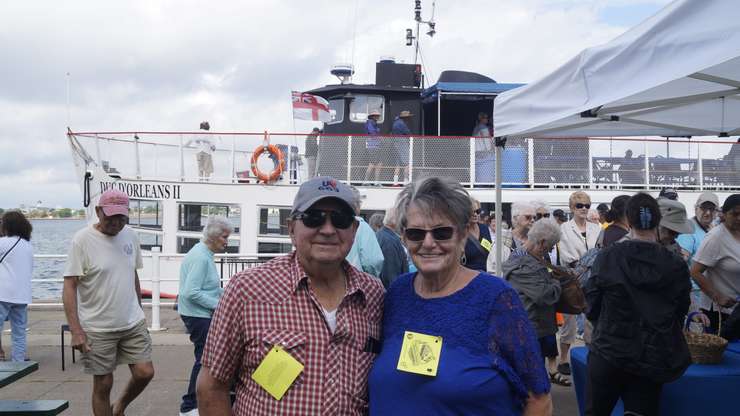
(144, 190)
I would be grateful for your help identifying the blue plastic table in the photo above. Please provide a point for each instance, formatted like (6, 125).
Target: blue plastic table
(734, 347)
(702, 390)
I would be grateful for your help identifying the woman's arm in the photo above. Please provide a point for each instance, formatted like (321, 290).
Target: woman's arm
(706, 285)
(538, 405)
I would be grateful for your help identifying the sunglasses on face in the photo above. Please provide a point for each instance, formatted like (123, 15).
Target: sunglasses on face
(527, 217)
(313, 218)
(708, 208)
(476, 211)
(419, 234)
(581, 206)
(540, 215)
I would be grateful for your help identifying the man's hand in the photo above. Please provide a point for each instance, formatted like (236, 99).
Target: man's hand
(79, 342)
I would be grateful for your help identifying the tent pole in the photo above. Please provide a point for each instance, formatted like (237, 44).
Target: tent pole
(500, 142)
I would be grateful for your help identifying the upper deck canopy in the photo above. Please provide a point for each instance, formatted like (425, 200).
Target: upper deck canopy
(451, 82)
(675, 74)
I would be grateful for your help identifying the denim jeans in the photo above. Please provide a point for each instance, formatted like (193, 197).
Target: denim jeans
(17, 315)
(198, 330)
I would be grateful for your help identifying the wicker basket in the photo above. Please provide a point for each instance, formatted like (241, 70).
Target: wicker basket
(705, 348)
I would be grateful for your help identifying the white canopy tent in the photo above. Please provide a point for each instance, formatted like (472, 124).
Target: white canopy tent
(675, 74)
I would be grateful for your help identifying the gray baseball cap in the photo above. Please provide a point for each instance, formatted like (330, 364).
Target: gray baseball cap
(321, 187)
(673, 216)
(707, 197)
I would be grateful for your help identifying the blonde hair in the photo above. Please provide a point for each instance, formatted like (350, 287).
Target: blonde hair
(578, 196)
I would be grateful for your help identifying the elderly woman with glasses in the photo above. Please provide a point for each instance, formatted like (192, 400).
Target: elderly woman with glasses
(528, 273)
(479, 243)
(455, 340)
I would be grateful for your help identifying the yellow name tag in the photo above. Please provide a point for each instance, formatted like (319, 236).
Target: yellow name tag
(277, 371)
(486, 244)
(420, 353)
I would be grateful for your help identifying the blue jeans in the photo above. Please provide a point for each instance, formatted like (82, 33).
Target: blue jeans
(17, 314)
(198, 330)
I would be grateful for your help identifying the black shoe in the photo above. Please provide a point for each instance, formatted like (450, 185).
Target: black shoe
(564, 368)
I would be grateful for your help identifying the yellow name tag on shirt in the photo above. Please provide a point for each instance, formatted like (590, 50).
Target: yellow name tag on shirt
(277, 371)
(486, 244)
(420, 353)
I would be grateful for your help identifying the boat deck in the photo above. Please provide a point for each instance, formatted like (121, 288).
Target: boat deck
(172, 355)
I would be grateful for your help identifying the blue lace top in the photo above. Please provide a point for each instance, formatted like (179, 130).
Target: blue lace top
(490, 358)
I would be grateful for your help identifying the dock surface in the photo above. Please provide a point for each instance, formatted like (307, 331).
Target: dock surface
(172, 356)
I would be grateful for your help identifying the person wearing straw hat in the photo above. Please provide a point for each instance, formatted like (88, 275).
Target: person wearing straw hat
(372, 145)
(716, 266)
(638, 296)
(401, 131)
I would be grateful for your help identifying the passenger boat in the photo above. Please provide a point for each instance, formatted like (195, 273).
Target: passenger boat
(170, 201)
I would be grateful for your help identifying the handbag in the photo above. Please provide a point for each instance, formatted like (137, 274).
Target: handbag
(572, 300)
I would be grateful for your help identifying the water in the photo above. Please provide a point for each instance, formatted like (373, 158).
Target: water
(51, 237)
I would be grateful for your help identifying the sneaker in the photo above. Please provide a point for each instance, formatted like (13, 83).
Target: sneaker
(193, 412)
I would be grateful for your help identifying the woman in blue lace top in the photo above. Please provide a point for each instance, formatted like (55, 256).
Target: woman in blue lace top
(455, 340)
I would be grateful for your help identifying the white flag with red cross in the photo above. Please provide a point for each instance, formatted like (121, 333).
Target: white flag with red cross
(310, 107)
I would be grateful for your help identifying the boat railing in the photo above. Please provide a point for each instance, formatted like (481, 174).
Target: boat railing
(605, 162)
(227, 264)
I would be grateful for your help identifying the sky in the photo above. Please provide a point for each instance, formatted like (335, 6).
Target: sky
(166, 65)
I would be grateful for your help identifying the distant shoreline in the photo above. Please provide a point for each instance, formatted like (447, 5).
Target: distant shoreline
(57, 219)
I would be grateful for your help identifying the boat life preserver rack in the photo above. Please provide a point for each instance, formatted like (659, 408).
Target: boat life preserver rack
(279, 165)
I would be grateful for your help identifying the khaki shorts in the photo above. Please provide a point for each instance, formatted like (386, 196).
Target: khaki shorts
(567, 332)
(109, 349)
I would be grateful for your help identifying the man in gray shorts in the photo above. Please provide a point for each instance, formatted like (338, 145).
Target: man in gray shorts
(102, 301)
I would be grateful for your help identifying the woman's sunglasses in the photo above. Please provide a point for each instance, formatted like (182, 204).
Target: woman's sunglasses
(581, 206)
(541, 215)
(419, 234)
(314, 218)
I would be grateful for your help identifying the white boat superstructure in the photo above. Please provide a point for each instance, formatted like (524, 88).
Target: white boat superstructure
(170, 201)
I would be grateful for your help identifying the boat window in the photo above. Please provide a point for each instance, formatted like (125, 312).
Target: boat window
(145, 214)
(147, 241)
(277, 248)
(274, 221)
(184, 244)
(362, 105)
(193, 215)
(336, 111)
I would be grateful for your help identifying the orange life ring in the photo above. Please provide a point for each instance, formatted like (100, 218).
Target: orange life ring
(275, 174)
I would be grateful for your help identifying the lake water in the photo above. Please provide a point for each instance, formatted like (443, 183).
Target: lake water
(51, 237)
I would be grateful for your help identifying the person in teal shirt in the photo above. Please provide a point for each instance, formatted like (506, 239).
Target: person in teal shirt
(706, 208)
(366, 254)
(198, 295)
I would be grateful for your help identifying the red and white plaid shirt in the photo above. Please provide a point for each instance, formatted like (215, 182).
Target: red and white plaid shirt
(273, 304)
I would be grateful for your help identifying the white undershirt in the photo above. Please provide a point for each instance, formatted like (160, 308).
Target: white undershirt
(331, 319)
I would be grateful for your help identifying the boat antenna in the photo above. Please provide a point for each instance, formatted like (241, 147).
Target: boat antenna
(354, 37)
(69, 112)
(431, 24)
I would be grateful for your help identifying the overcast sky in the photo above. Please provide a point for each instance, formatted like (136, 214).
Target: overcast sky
(142, 65)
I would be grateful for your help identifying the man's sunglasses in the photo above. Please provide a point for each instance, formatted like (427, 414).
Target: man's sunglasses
(314, 218)
(580, 206)
(419, 234)
(541, 215)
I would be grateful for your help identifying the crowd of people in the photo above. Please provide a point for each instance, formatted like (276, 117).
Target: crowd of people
(403, 314)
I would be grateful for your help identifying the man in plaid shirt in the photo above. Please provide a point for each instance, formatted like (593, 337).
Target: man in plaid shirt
(312, 304)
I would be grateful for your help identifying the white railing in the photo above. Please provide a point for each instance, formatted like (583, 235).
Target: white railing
(155, 279)
(687, 163)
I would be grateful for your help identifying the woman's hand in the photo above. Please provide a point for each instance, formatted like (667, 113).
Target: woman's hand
(723, 301)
